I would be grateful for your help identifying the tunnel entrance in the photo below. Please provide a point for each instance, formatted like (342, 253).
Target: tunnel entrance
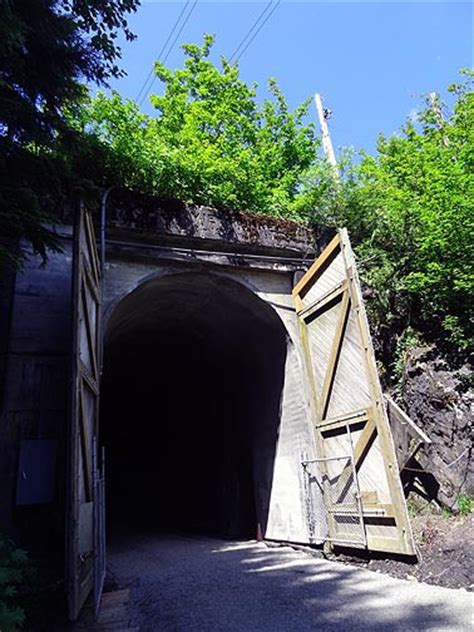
(190, 406)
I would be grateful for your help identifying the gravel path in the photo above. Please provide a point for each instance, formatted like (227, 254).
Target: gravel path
(187, 584)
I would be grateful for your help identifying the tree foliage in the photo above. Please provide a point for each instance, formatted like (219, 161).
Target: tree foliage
(410, 209)
(213, 142)
(48, 49)
(210, 142)
(16, 572)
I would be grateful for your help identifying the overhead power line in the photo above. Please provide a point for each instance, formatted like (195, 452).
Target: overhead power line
(170, 35)
(249, 37)
(150, 79)
(254, 25)
(180, 30)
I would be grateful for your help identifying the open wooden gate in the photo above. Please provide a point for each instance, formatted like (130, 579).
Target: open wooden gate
(356, 465)
(84, 488)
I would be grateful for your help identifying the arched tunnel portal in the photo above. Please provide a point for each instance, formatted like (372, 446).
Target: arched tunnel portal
(190, 405)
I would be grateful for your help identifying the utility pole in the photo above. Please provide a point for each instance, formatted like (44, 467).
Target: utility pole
(436, 108)
(438, 113)
(323, 116)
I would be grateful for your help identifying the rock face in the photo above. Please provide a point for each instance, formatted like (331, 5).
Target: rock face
(439, 399)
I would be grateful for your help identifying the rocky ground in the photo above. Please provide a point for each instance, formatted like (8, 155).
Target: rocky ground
(445, 546)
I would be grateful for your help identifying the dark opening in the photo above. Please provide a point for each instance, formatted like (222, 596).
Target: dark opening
(190, 406)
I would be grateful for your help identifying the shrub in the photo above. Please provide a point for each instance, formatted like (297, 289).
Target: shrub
(15, 572)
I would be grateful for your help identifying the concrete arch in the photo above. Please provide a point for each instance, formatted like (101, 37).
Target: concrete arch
(171, 274)
(194, 371)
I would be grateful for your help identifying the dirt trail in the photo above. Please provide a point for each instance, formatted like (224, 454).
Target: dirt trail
(186, 584)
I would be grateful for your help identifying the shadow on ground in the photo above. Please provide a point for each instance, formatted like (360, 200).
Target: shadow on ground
(186, 584)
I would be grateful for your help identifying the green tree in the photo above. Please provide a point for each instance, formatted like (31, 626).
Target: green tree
(410, 210)
(210, 141)
(48, 49)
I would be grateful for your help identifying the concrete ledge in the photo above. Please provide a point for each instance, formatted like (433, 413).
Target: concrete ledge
(136, 217)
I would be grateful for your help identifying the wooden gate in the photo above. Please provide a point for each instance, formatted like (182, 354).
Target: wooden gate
(356, 465)
(82, 512)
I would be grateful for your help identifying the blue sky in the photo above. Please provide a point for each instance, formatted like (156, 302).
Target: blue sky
(371, 61)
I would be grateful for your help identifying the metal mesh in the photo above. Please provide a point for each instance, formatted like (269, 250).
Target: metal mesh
(314, 502)
(341, 496)
(342, 500)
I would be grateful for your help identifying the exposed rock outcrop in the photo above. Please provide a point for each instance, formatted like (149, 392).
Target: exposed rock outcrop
(441, 401)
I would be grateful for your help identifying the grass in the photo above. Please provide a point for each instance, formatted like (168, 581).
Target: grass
(465, 504)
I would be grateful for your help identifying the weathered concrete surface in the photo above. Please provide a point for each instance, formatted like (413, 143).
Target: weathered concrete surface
(146, 237)
(201, 585)
(35, 398)
(149, 239)
(161, 221)
(289, 511)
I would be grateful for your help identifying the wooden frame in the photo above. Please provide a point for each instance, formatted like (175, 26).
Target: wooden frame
(83, 426)
(347, 401)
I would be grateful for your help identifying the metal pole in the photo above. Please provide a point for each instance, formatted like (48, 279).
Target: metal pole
(435, 105)
(326, 137)
(103, 209)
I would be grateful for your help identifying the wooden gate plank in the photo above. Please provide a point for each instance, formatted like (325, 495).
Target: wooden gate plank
(349, 356)
(84, 419)
(335, 353)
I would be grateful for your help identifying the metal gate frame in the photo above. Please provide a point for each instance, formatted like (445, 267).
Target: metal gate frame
(335, 506)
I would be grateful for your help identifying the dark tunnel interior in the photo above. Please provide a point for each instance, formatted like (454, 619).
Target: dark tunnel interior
(190, 406)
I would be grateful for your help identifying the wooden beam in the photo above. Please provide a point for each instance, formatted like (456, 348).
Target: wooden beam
(311, 274)
(335, 353)
(378, 510)
(369, 498)
(402, 418)
(389, 545)
(345, 420)
(328, 297)
(379, 413)
(92, 343)
(361, 450)
(91, 247)
(85, 449)
(314, 401)
(364, 441)
(88, 378)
